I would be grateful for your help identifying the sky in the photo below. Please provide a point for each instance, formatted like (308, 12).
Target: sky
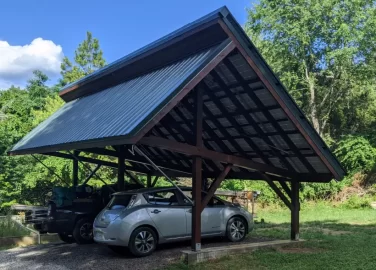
(38, 34)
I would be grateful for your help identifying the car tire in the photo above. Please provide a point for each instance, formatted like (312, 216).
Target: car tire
(236, 229)
(66, 238)
(118, 249)
(142, 242)
(83, 231)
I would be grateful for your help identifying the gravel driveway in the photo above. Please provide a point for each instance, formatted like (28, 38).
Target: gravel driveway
(72, 256)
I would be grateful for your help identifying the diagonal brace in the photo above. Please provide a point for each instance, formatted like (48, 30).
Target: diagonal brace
(285, 188)
(155, 181)
(277, 190)
(214, 186)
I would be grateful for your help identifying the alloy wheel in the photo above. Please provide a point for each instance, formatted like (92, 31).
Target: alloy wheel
(237, 230)
(144, 242)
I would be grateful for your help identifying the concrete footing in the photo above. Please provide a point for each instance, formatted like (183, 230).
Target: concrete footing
(192, 257)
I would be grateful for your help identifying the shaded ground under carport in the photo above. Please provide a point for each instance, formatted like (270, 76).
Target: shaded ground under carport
(72, 256)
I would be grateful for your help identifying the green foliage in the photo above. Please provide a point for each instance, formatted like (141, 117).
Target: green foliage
(88, 58)
(323, 51)
(356, 153)
(9, 228)
(357, 202)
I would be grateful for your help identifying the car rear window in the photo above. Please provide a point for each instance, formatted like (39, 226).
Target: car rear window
(119, 201)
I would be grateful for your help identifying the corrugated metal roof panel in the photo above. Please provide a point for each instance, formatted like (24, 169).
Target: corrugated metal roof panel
(115, 111)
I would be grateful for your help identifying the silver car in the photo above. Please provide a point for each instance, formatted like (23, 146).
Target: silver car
(143, 218)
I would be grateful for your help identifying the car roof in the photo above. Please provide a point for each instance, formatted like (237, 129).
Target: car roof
(151, 189)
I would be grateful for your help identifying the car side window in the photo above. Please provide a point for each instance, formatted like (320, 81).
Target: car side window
(162, 198)
(215, 202)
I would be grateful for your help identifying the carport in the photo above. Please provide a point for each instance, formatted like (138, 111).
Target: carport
(200, 102)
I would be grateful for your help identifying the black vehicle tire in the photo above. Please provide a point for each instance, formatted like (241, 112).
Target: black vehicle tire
(236, 229)
(83, 231)
(118, 249)
(66, 238)
(142, 242)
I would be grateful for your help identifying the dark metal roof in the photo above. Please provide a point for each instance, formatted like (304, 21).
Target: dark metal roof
(247, 111)
(116, 111)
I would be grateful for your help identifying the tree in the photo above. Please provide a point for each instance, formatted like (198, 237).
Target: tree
(88, 58)
(324, 52)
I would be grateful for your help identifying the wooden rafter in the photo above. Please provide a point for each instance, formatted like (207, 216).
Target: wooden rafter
(217, 156)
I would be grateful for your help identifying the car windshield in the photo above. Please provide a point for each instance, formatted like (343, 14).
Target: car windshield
(119, 201)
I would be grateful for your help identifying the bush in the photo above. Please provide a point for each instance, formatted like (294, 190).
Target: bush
(356, 202)
(356, 153)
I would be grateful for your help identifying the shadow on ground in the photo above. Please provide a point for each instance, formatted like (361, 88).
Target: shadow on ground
(73, 256)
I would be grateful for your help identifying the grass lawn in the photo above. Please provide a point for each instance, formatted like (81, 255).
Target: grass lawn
(337, 238)
(10, 228)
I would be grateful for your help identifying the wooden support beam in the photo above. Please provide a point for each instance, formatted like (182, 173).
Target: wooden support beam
(214, 186)
(136, 159)
(148, 180)
(154, 181)
(277, 190)
(295, 208)
(75, 169)
(134, 178)
(93, 172)
(121, 168)
(217, 156)
(197, 173)
(232, 120)
(285, 188)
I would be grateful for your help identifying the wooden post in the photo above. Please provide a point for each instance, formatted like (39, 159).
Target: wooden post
(75, 169)
(295, 208)
(148, 180)
(197, 174)
(196, 209)
(121, 167)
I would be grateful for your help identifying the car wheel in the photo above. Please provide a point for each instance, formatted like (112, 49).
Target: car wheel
(83, 231)
(236, 229)
(66, 238)
(142, 242)
(118, 249)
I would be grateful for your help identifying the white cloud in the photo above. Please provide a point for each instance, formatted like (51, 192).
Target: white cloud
(18, 62)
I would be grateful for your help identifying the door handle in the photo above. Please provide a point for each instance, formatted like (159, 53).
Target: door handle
(156, 211)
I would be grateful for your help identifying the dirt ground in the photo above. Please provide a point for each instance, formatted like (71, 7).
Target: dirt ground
(72, 256)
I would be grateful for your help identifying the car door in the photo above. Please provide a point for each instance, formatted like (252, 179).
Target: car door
(211, 219)
(167, 214)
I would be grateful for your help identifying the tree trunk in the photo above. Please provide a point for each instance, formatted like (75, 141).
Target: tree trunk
(313, 104)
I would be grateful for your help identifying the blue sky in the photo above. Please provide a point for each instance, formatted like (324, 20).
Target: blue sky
(120, 26)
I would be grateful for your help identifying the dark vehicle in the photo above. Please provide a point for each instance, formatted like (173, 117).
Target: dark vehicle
(71, 211)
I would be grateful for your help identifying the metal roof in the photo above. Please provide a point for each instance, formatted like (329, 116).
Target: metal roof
(248, 113)
(115, 111)
(126, 59)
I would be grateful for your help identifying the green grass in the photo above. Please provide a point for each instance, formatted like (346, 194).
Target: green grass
(10, 228)
(336, 238)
